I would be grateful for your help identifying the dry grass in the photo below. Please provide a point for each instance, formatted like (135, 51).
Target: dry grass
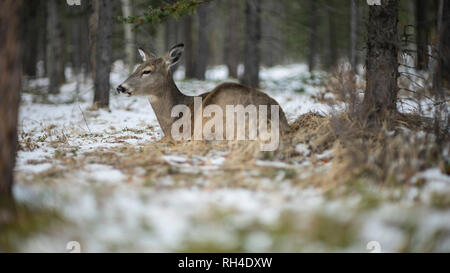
(388, 154)
(359, 153)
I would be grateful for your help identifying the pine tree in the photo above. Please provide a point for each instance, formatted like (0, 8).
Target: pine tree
(55, 44)
(10, 85)
(252, 43)
(103, 54)
(380, 98)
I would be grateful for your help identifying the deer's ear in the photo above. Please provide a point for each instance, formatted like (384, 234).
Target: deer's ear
(174, 55)
(144, 54)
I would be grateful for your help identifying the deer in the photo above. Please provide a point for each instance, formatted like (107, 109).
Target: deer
(153, 78)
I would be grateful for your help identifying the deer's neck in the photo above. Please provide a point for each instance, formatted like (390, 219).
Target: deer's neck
(162, 105)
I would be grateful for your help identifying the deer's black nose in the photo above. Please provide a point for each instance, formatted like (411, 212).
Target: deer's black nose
(120, 89)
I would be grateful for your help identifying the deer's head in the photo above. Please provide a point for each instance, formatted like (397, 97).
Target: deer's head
(152, 76)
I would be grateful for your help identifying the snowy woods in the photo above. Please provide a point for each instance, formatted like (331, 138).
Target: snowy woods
(86, 158)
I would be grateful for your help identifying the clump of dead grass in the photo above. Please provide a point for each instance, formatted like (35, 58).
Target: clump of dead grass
(389, 153)
(384, 154)
(314, 130)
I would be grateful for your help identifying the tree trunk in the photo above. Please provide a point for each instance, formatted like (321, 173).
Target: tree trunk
(421, 34)
(103, 56)
(42, 42)
(441, 126)
(232, 39)
(85, 43)
(313, 22)
(380, 97)
(55, 44)
(130, 50)
(353, 33)
(170, 33)
(93, 27)
(332, 41)
(445, 44)
(10, 85)
(167, 30)
(269, 39)
(30, 32)
(252, 43)
(202, 57)
(188, 47)
(76, 30)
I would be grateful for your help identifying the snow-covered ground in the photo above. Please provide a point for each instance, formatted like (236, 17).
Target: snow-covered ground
(113, 192)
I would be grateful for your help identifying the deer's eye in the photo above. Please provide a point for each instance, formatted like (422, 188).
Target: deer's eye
(146, 72)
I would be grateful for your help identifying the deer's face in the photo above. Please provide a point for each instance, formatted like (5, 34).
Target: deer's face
(152, 74)
(145, 80)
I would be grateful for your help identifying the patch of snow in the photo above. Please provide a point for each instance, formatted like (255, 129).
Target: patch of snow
(103, 173)
(302, 149)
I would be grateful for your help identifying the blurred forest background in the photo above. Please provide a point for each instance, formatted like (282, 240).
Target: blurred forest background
(321, 33)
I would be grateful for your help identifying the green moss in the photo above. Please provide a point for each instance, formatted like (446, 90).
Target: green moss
(59, 154)
(269, 156)
(25, 223)
(440, 201)
(290, 173)
(370, 196)
(300, 90)
(332, 232)
(136, 131)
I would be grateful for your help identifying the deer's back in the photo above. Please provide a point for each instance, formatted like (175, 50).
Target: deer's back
(238, 94)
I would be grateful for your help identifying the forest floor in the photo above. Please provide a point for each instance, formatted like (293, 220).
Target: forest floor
(104, 179)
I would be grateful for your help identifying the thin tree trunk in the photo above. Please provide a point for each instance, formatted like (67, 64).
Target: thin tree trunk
(76, 45)
(332, 41)
(75, 28)
(42, 42)
(268, 35)
(103, 57)
(382, 67)
(130, 50)
(55, 58)
(313, 22)
(252, 43)
(168, 32)
(353, 33)
(93, 27)
(30, 32)
(188, 47)
(86, 41)
(232, 39)
(176, 35)
(445, 44)
(439, 93)
(421, 34)
(437, 53)
(202, 42)
(10, 85)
